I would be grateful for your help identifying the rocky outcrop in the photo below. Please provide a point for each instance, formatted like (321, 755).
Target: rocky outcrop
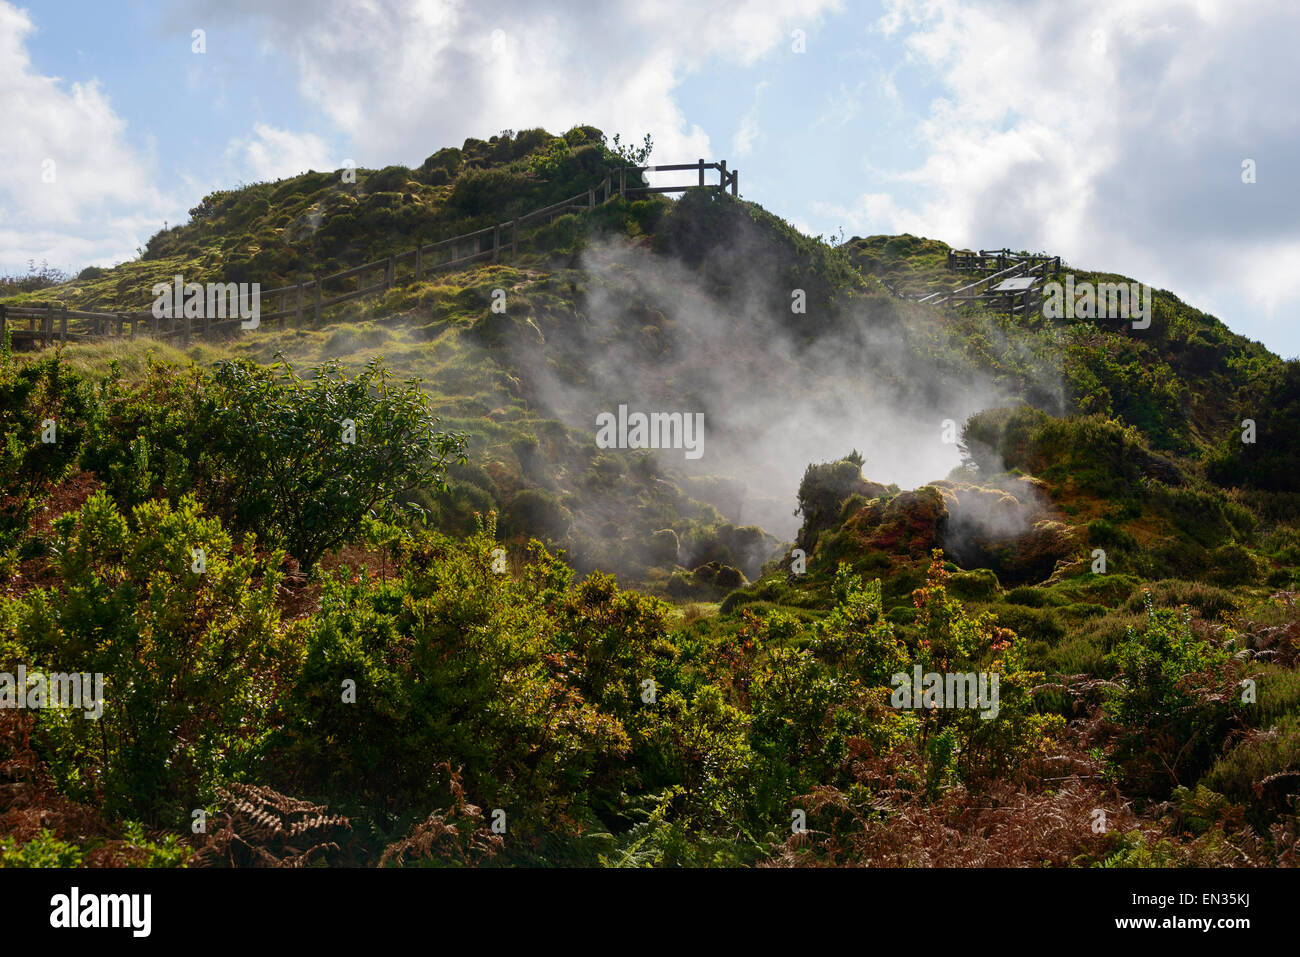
(1007, 529)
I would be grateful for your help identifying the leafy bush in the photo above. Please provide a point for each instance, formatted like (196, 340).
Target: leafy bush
(458, 663)
(537, 513)
(299, 461)
(962, 741)
(389, 180)
(38, 400)
(1272, 461)
(1233, 565)
(151, 441)
(1174, 700)
(191, 659)
(823, 490)
(664, 547)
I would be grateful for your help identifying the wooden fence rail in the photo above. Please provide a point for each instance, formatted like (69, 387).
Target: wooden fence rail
(489, 243)
(1035, 265)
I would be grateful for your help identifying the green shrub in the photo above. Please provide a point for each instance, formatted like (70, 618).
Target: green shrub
(151, 440)
(1272, 460)
(192, 659)
(961, 743)
(1166, 702)
(537, 513)
(822, 494)
(458, 663)
(442, 166)
(1037, 624)
(1260, 770)
(389, 180)
(1173, 558)
(1232, 565)
(1103, 534)
(664, 547)
(44, 850)
(1031, 597)
(300, 461)
(561, 234)
(1208, 601)
(39, 399)
(979, 584)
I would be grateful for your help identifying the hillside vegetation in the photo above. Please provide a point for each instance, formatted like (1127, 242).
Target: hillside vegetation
(375, 583)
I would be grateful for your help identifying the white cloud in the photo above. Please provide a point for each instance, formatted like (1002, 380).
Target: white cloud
(102, 186)
(273, 153)
(404, 79)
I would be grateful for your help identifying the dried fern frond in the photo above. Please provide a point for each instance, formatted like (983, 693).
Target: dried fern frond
(261, 827)
(456, 834)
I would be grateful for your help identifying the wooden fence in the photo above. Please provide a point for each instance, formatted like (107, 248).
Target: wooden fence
(47, 323)
(1009, 265)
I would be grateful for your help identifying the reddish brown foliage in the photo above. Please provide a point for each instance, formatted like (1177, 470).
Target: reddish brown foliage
(456, 834)
(29, 804)
(263, 828)
(1047, 820)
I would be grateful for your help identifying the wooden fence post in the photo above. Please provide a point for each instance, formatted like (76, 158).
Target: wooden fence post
(63, 326)
(591, 199)
(722, 183)
(622, 182)
(701, 170)
(389, 273)
(735, 182)
(4, 322)
(514, 239)
(297, 316)
(419, 260)
(606, 187)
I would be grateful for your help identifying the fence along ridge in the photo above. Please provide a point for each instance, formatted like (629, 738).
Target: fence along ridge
(1008, 265)
(309, 295)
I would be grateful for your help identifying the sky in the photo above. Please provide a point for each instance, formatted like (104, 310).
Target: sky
(1158, 139)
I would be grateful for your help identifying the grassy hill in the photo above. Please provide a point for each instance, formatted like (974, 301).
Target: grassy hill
(779, 583)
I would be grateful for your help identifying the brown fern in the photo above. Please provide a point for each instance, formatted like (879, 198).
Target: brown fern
(456, 834)
(263, 828)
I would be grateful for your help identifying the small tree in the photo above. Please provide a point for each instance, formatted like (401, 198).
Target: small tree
(303, 461)
(823, 491)
(632, 155)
